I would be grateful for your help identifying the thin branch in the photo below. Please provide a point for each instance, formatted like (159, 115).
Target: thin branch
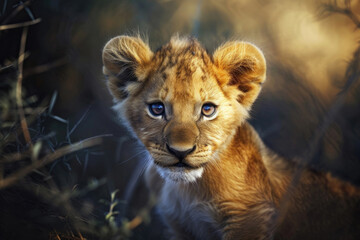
(19, 25)
(352, 75)
(19, 102)
(347, 11)
(354, 18)
(13, 178)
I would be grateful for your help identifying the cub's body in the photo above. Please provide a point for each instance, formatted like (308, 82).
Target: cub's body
(213, 176)
(254, 189)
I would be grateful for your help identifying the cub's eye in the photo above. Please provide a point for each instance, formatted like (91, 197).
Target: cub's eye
(156, 109)
(208, 109)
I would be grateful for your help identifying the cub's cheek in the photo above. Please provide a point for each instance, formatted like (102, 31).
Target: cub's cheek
(148, 133)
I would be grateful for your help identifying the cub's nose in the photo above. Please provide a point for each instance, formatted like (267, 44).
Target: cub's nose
(180, 154)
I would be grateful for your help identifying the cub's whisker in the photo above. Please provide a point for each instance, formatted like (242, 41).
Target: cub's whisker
(132, 157)
(135, 177)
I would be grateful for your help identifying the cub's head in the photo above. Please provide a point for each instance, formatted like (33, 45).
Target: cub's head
(183, 103)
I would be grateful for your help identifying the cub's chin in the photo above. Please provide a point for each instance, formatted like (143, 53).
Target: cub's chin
(180, 174)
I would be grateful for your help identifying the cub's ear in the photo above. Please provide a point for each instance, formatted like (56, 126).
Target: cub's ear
(125, 62)
(246, 66)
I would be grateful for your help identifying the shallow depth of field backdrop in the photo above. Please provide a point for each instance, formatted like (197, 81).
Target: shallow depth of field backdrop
(67, 167)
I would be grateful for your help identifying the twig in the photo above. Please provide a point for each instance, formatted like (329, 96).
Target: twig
(347, 11)
(352, 75)
(13, 178)
(19, 102)
(19, 25)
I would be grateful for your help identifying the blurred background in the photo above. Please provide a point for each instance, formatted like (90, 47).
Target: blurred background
(309, 109)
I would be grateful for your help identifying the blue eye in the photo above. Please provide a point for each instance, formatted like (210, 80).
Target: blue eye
(208, 109)
(157, 109)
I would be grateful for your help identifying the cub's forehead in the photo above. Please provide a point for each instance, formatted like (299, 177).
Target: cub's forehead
(181, 50)
(184, 69)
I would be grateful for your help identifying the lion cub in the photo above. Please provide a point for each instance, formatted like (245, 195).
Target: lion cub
(214, 177)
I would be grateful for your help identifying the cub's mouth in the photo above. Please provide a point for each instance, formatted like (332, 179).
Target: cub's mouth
(179, 165)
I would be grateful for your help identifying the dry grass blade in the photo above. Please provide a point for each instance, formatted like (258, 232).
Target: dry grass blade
(13, 178)
(4, 6)
(136, 221)
(14, 157)
(19, 25)
(80, 235)
(58, 237)
(24, 125)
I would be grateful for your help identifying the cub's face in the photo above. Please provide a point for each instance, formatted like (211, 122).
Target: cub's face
(182, 103)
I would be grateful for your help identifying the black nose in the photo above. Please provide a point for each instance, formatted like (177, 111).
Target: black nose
(180, 154)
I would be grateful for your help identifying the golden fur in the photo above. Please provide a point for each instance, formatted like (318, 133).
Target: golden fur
(232, 186)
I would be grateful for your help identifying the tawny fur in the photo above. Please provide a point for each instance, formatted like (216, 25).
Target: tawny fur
(234, 187)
